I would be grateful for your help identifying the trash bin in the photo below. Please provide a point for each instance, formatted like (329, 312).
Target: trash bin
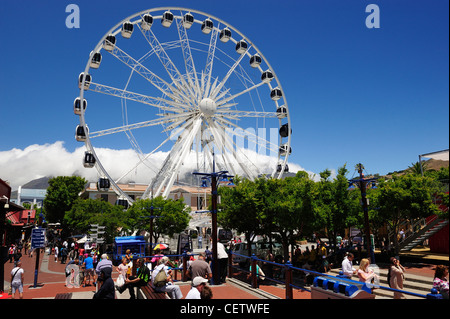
(339, 288)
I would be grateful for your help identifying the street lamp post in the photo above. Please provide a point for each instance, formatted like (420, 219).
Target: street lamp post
(214, 178)
(362, 184)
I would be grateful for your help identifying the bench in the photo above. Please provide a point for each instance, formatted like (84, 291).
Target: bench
(67, 295)
(148, 292)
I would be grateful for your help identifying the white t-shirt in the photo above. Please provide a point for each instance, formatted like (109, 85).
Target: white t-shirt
(221, 252)
(193, 294)
(18, 277)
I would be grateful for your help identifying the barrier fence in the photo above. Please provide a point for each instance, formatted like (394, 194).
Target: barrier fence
(301, 281)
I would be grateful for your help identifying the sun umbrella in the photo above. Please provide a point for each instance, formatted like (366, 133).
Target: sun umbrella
(160, 247)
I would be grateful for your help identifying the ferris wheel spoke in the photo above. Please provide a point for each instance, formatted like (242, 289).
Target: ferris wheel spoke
(221, 138)
(188, 58)
(143, 159)
(168, 64)
(164, 180)
(221, 101)
(235, 115)
(210, 61)
(155, 80)
(165, 105)
(135, 126)
(230, 71)
(259, 140)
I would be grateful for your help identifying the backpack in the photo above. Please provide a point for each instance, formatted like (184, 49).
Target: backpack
(160, 279)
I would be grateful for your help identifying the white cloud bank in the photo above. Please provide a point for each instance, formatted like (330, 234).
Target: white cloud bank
(19, 166)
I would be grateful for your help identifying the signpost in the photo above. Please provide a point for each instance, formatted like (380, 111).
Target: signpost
(37, 242)
(97, 233)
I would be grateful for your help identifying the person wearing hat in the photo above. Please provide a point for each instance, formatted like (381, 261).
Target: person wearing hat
(198, 283)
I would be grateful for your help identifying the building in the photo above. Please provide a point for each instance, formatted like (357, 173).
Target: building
(195, 197)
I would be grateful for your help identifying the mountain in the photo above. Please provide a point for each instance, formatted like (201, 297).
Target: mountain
(40, 183)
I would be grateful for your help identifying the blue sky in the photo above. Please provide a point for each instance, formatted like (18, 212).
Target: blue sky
(375, 96)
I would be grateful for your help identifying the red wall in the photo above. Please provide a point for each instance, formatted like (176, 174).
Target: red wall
(439, 241)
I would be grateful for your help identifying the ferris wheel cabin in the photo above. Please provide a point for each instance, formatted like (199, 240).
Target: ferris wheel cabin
(77, 106)
(146, 22)
(225, 35)
(255, 61)
(103, 184)
(267, 76)
(281, 112)
(284, 130)
(109, 43)
(127, 29)
(167, 19)
(241, 47)
(80, 135)
(188, 20)
(96, 60)
(122, 202)
(87, 81)
(276, 94)
(88, 160)
(280, 168)
(207, 26)
(284, 150)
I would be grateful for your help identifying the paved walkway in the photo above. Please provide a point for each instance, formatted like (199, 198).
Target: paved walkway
(51, 281)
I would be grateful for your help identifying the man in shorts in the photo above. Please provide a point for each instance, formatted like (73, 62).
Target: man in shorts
(89, 272)
(17, 280)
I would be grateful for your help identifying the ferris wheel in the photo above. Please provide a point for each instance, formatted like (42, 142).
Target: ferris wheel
(173, 86)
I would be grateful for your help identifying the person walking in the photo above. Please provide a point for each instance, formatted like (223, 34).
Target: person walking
(396, 277)
(17, 278)
(88, 264)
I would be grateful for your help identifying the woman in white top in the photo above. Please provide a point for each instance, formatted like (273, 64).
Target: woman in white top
(366, 274)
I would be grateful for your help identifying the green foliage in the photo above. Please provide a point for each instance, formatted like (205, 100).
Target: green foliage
(174, 216)
(61, 194)
(95, 211)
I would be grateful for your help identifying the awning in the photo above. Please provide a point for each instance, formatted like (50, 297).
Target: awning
(440, 155)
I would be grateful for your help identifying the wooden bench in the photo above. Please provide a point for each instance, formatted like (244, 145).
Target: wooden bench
(148, 292)
(67, 295)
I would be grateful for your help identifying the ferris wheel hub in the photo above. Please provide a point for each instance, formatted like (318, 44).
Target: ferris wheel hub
(208, 107)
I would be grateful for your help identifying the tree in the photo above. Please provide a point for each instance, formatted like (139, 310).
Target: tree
(240, 209)
(62, 192)
(86, 212)
(290, 203)
(173, 216)
(336, 206)
(404, 197)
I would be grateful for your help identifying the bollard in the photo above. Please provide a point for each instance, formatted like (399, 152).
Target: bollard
(184, 267)
(434, 294)
(254, 277)
(288, 278)
(230, 265)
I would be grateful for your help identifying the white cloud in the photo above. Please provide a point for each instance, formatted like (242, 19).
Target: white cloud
(19, 166)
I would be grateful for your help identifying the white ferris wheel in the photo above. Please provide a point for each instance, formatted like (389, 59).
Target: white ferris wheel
(174, 85)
